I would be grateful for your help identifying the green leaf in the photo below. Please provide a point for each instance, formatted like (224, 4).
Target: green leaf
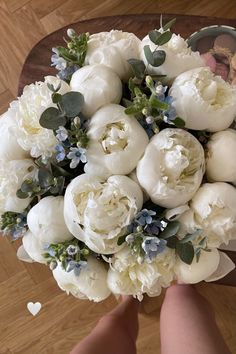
(190, 237)
(72, 102)
(132, 110)
(155, 58)
(56, 97)
(202, 242)
(155, 103)
(131, 85)
(148, 54)
(169, 24)
(154, 35)
(121, 240)
(172, 241)
(171, 230)
(164, 38)
(45, 178)
(52, 88)
(52, 119)
(138, 67)
(185, 252)
(21, 195)
(179, 122)
(27, 186)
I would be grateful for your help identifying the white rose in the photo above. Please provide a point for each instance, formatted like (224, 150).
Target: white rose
(210, 267)
(116, 142)
(220, 161)
(99, 85)
(90, 284)
(32, 249)
(172, 167)
(113, 49)
(128, 276)
(46, 220)
(179, 57)
(9, 147)
(214, 207)
(12, 174)
(97, 211)
(36, 98)
(204, 101)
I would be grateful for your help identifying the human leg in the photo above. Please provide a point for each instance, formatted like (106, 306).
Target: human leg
(115, 333)
(188, 325)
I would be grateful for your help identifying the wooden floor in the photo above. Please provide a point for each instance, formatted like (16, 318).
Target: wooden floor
(64, 320)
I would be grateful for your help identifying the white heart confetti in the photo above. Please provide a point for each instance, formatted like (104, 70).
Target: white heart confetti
(34, 308)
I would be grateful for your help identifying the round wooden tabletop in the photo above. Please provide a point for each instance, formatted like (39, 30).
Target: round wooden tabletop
(37, 63)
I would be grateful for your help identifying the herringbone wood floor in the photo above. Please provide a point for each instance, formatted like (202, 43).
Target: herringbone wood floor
(64, 320)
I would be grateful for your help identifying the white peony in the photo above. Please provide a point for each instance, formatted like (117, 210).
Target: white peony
(9, 147)
(172, 167)
(99, 85)
(211, 266)
(116, 142)
(113, 49)
(128, 276)
(90, 284)
(204, 101)
(179, 57)
(36, 98)
(32, 249)
(97, 211)
(12, 174)
(220, 161)
(214, 206)
(46, 220)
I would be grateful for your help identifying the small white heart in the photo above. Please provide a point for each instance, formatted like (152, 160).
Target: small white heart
(34, 308)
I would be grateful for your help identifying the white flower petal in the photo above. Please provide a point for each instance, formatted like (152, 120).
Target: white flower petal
(226, 265)
(34, 247)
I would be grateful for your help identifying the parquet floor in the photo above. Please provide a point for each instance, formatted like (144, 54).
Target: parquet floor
(63, 320)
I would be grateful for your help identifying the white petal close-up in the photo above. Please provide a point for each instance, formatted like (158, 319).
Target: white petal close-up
(97, 211)
(90, 284)
(27, 109)
(116, 142)
(32, 249)
(225, 266)
(99, 85)
(113, 49)
(9, 147)
(220, 160)
(204, 101)
(179, 57)
(46, 220)
(128, 276)
(12, 174)
(172, 167)
(198, 271)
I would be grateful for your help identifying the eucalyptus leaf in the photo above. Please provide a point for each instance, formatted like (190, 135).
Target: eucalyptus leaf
(72, 103)
(21, 195)
(154, 35)
(178, 122)
(52, 119)
(159, 57)
(171, 230)
(56, 97)
(169, 24)
(172, 242)
(190, 237)
(164, 38)
(121, 240)
(185, 252)
(45, 178)
(138, 67)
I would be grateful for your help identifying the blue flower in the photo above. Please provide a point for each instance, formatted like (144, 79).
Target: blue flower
(160, 91)
(154, 228)
(61, 154)
(75, 266)
(72, 250)
(145, 217)
(67, 72)
(170, 114)
(62, 134)
(57, 61)
(76, 155)
(153, 246)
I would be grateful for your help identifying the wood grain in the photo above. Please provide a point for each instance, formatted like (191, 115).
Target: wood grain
(64, 320)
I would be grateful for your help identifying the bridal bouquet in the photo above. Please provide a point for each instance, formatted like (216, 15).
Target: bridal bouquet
(119, 172)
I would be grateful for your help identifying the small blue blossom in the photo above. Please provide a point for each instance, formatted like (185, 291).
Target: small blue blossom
(61, 154)
(170, 114)
(57, 61)
(145, 217)
(76, 155)
(62, 134)
(160, 91)
(51, 252)
(72, 250)
(154, 228)
(149, 120)
(67, 72)
(153, 246)
(76, 267)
